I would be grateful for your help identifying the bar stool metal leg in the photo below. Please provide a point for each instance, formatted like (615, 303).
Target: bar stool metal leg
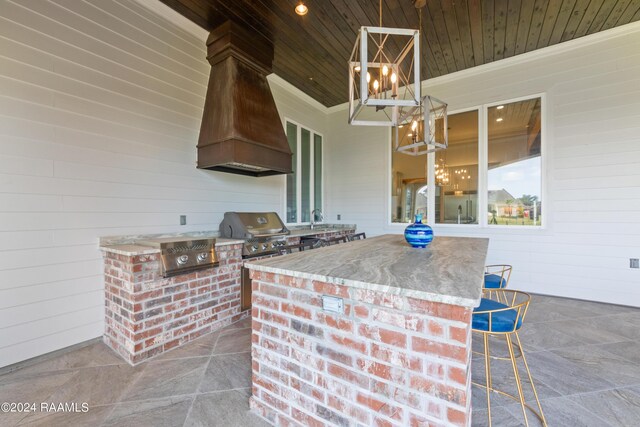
(487, 374)
(503, 319)
(533, 386)
(514, 364)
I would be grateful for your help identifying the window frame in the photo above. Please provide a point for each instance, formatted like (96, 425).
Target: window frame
(483, 171)
(312, 134)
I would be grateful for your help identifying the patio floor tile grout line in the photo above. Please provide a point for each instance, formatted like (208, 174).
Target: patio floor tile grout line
(204, 374)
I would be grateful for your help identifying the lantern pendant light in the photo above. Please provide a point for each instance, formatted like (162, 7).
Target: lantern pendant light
(384, 74)
(421, 129)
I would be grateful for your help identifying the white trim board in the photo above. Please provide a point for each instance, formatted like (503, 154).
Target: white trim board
(164, 11)
(276, 79)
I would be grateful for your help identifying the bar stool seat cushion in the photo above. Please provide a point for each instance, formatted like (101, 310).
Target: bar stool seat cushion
(494, 281)
(501, 321)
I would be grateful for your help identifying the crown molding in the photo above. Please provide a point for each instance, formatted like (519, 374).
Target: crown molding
(180, 21)
(164, 11)
(185, 24)
(282, 83)
(557, 49)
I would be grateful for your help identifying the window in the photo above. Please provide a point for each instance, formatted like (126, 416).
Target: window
(510, 181)
(514, 167)
(456, 172)
(409, 187)
(304, 184)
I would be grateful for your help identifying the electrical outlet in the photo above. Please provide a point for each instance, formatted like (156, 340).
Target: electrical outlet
(333, 304)
(183, 220)
(634, 263)
(339, 217)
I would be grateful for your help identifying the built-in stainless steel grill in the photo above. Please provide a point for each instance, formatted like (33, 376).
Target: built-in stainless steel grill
(183, 256)
(263, 232)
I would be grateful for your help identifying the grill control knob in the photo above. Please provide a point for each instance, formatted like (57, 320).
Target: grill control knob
(254, 248)
(182, 259)
(202, 256)
(265, 246)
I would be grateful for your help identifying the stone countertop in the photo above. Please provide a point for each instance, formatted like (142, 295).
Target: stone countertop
(450, 270)
(133, 249)
(306, 231)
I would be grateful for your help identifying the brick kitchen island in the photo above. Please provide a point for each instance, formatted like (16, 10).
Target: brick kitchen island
(390, 347)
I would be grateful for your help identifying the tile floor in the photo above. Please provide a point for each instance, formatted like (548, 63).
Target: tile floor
(585, 359)
(585, 362)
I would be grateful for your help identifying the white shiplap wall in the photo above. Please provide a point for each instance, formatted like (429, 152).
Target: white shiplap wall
(592, 88)
(100, 108)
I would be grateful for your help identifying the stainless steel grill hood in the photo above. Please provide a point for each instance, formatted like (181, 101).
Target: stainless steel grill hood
(241, 131)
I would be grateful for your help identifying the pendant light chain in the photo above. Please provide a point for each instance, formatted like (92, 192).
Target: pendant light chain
(423, 35)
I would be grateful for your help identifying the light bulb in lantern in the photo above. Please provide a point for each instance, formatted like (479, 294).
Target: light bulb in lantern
(385, 70)
(376, 85)
(368, 77)
(357, 68)
(394, 89)
(414, 125)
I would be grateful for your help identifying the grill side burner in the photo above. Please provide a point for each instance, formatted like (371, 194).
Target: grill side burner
(181, 256)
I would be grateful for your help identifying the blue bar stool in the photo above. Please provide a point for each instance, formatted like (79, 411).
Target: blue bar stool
(502, 318)
(497, 276)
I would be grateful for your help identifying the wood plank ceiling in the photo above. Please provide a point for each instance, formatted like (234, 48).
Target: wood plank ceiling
(311, 51)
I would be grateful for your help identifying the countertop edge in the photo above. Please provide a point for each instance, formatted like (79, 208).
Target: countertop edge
(133, 249)
(412, 293)
(129, 250)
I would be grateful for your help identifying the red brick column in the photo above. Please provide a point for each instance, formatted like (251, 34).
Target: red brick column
(146, 314)
(387, 361)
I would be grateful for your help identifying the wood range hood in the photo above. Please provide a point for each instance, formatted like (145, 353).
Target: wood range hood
(241, 130)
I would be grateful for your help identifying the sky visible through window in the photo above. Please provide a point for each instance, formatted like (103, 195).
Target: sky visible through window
(517, 178)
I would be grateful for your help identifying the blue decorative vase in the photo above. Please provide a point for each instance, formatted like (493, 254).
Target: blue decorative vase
(418, 235)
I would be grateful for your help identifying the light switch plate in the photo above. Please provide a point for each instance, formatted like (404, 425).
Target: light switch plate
(333, 304)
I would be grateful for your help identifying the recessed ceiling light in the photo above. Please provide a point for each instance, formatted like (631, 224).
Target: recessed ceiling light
(499, 107)
(499, 119)
(301, 9)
